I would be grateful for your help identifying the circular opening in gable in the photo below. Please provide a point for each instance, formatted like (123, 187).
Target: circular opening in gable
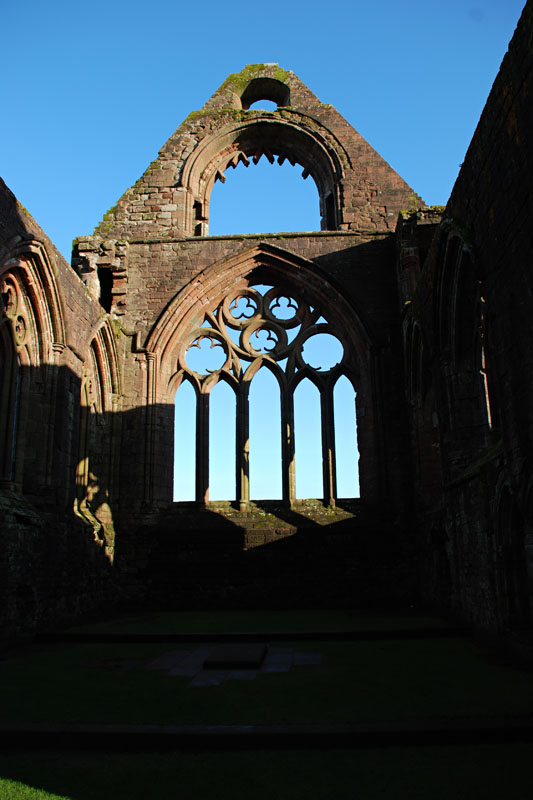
(266, 89)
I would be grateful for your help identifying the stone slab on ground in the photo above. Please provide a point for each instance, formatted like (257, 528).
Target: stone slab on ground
(212, 665)
(236, 656)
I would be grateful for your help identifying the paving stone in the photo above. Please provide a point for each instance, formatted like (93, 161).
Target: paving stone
(278, 659)
(228, 656)
(192, 663)
(210, 677)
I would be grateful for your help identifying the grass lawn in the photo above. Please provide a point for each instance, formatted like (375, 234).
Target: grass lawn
(356, 682)
(270, 621)
(366, 681)
(489, 772)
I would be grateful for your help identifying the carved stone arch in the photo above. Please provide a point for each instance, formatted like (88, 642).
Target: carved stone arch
(180, 377)
(30, 258)
(189, 306)
(24, 310)
(315, 296)
(467, 312)
(342, 373)
(30, 308)
(308, 374)
(256, 366)
(239, 142)
(446, 286)
(414, 362)
(102, 349)
(459, 324)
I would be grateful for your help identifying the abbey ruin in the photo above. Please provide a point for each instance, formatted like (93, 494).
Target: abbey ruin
(432, 309)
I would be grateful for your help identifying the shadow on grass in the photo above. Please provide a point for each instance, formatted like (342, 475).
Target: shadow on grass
(488, 771)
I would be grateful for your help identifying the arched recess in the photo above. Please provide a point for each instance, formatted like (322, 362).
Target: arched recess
(32, 339)
(99, 431)
(320, 156)
(318, 308)
(460, 326)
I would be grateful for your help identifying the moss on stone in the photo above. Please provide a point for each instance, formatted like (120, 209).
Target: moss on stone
(22, 209)
(238, 81)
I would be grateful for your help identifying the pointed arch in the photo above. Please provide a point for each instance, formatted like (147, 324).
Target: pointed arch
(189, 306)
(203, 308)
(33, 336)
(461, 345)
(30, 260)
(320, 155)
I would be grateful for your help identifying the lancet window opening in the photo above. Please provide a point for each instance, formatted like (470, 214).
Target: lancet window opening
(257, 326)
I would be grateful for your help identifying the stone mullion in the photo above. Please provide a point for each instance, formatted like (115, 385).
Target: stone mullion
(329, 476)
(288, 446)
(242, 439)
(202, 448)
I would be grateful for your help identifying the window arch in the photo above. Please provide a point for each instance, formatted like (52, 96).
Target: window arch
(263, 323)
(267, 134)
(164, 361)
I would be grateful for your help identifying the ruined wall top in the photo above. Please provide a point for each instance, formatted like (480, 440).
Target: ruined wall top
(357, 189)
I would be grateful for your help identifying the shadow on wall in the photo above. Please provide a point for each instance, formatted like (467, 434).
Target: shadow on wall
(271, 556)
(56, 565)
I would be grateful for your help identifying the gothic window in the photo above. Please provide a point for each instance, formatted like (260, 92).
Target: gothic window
(272, 349)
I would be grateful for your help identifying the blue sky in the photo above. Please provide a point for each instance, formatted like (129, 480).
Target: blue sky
(90, 92)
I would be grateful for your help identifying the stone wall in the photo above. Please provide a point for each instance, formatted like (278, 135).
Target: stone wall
(468, 332)
(52, 568)
(357, 188)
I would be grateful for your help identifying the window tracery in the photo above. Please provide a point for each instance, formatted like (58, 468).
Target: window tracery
(264, 324)
(254, 326)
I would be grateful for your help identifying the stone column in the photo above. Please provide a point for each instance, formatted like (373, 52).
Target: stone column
(328, 446)
(287, 446)
(202, 449)
(242, 460)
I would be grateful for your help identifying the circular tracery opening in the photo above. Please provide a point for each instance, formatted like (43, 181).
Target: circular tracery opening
(322, 352)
